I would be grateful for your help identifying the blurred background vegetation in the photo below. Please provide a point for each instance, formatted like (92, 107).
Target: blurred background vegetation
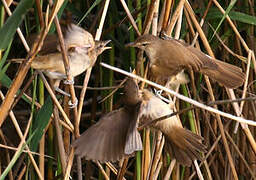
(229, 27)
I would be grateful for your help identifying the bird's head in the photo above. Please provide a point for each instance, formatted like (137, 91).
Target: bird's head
(143, 41)
(131, 93)
(100, 46)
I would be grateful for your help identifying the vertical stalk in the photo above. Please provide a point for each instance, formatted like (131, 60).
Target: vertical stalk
(189, 113)
(41, 92)
(131, 38)
(2, 15)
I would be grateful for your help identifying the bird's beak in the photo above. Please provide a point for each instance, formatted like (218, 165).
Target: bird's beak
(131, 44)
(105, 43)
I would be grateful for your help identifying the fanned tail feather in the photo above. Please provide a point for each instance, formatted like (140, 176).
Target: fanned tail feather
(184, 145)
(227, 74)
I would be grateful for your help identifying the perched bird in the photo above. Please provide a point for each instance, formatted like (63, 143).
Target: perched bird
(169, 57)
(82, 52)
(182, 144)
(115, 135)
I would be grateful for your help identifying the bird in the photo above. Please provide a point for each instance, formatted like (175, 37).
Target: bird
(182, 144)
(116, 134)
(82, 51)
(169, 56)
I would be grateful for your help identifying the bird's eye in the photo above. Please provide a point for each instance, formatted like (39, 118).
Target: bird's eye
(144, 43)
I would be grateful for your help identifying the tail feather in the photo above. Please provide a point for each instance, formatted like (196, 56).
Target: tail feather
(180, 155)
(133, 139)
(184, 145)
(133, 143)
(226, 74)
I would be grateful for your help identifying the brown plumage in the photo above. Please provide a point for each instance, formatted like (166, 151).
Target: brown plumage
(82, 51)
(168, 57)
(115, 135)
(107, 139)
(183, 145)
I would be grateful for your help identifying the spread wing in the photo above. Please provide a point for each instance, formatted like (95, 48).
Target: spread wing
(106, 140)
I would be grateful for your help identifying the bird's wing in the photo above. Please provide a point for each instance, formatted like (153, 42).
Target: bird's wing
(50, 43)
(105, 140)
(77, 36)
(133, 139)
(206, 61)
(178, 58)
(52, 62)
(224, 73)
(187, 58)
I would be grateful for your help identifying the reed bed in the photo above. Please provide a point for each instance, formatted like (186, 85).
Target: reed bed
(37, 126)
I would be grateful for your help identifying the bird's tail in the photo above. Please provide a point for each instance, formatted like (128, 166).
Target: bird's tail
(226, 74)
(184, 145)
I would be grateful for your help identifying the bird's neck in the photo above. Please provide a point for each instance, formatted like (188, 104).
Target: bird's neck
(151, 52)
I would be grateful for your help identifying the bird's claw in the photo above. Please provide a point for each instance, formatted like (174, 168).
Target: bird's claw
(165, 36)
(61, 91)
(159, 95)
(72, 105)
(69, 81)
(158, 92)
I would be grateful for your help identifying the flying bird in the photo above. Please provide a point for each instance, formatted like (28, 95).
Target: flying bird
(115, 135)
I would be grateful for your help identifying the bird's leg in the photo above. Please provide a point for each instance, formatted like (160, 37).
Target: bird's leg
(159, 92)
(159, 95)
(56, 84)
(165, 36)
(56, 88)
(71, 81)
(61, 91)
(167, 85)
(71, 105)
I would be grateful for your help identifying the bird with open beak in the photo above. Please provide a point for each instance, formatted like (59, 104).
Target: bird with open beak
(82, 51)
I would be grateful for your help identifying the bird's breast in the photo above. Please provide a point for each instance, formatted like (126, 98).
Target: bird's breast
(151, 53)
(154, 108)
(79, 63)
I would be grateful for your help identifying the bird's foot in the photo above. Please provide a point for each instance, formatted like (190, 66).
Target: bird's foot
(72, 105)
(165, 36)
(158, 92)
(169, 101)
(61, 91)
(69, 81)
